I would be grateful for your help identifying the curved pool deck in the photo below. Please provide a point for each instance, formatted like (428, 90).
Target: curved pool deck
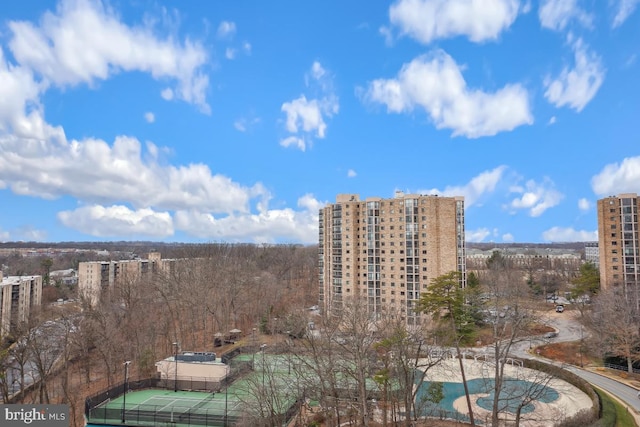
(552, 399)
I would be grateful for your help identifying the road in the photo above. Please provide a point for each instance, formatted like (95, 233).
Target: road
(570, 329)
(47, 339)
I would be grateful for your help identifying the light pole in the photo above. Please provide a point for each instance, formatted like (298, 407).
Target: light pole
(175, 374)
(262, 347)
(124, 387)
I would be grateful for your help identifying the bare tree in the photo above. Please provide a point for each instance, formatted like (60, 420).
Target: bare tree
(614, 320)
(510, 317)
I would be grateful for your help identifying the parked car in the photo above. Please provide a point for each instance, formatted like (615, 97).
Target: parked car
(559, 308)
(550, 335)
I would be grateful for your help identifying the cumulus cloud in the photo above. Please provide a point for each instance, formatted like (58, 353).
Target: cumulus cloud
(230, 53)
(305, 118)
(118, 220)
(123, 186)
(226, 29)
(476, 235)
(624, 9)
(507, 237)
(560, 234)
(584, 204)
(301, 226)
(575, 87)
(556, 14)
(616, 178)
(435, 84)
(536, 197)
(84, 41)
(93, 170)
(294, 141)
(428, 20)
(149, 117)
(351, 173)
(475, 189)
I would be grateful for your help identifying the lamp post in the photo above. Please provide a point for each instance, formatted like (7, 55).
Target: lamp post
(262, 347)
(124, 387)
(175, 374)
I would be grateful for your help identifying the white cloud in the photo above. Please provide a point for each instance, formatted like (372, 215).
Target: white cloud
(246, 46)
(616, 178)
(149, 117)
(625, 9)
(244, 124)
(294, 141)
(230, 53)
(167, 94)
(428, 20)
(118, 220)
(560, 234)
(537, 198)
(351, 173)
(584, 204)
(475, 189)
(5, 236)
(435, 83)
(507, 237)
(83, 41)
(476, 235)
(576, 87)
(552, 120)
(556, 14)
(317, 72)
(307, 116)
(94, 171)
(300, 226)
(226, 29)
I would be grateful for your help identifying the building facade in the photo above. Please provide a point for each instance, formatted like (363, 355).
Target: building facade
(388, 250)
(618, 244)
(592, 253)
(95, 277)
(18, 295)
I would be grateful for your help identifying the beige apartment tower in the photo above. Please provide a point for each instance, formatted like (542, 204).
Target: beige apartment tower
(618, 244)
(388, 250)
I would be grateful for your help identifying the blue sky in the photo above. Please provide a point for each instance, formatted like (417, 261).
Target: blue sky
(236, 121)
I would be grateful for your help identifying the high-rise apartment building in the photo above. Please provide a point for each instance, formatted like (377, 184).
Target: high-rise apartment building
(388, 250)
(18, 295)
(618, 244)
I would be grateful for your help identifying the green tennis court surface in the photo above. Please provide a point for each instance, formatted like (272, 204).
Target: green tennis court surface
(151, 407)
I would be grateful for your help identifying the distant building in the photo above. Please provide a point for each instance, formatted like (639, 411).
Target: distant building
(94, 277)
(525, 258)
(592, 253)
(67, 277)
(18, 295)
(388, 250)
(619, 246)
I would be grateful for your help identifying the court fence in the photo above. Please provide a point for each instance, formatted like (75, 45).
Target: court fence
(153, 415)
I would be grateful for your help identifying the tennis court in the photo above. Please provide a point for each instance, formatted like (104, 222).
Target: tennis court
(182, 408)
(154, 406)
